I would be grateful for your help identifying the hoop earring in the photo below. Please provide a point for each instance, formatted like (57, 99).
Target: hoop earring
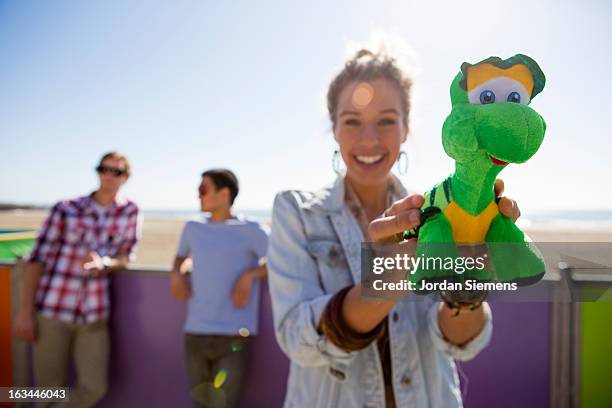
(402, 169)
(336, 162)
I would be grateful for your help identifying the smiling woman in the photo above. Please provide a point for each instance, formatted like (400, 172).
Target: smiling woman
(369, 133)
(341, 345)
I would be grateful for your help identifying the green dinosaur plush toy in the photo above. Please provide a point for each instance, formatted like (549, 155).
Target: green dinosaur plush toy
(490, 126)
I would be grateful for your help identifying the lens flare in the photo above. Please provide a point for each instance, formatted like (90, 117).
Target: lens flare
(220, 378)
(362, 95)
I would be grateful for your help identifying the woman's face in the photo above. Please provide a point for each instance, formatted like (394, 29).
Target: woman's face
(369, 129)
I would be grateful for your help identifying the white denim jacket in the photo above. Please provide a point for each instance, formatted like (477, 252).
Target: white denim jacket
(314, 251)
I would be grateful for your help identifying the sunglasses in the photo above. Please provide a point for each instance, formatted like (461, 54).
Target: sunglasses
(111, 170)
(202, 190)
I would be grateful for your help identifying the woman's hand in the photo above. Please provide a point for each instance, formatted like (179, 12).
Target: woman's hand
(507, 206)
(403, 215)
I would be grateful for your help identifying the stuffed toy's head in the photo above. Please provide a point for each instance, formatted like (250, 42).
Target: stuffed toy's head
(491, 123)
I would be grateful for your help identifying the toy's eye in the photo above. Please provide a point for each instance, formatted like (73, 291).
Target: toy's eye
(487, 97)
(514, 97)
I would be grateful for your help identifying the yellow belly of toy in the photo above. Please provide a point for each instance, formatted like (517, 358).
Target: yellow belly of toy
(468, 228)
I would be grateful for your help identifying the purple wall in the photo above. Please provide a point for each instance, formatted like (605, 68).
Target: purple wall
(514, 370)
(147, 359)
(147, 364)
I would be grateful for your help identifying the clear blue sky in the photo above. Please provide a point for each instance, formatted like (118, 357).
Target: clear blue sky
(181, 86)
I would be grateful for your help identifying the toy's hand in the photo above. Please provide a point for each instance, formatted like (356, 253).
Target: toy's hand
(403, 215)
(507, 206)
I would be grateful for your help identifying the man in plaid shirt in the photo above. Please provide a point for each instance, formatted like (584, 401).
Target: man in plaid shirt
(65, 297)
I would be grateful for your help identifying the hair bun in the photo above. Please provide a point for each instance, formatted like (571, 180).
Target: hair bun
(363, 53)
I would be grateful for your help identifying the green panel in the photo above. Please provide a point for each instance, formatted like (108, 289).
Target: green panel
(596, 354)
(14, 243)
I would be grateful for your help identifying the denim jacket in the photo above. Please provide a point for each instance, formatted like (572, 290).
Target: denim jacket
(314, 251)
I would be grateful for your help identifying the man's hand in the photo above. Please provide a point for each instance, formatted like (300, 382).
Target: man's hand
(507, 206)
(25, 326)
(25, 322)
(242, 289)
(179, 286)
(92, 263)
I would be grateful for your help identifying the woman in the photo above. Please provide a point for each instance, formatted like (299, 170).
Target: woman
(347, 350)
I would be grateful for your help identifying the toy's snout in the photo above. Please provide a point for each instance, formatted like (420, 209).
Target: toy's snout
(510, 132)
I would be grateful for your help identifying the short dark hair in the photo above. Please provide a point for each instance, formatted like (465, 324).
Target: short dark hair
(224, 178)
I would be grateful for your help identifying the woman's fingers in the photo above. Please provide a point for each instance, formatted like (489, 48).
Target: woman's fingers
(498, 187)
(413, 201)
(403, 215)
(388, 228)
(509, 208)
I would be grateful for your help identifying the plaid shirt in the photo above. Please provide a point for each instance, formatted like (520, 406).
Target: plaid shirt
(73, 228)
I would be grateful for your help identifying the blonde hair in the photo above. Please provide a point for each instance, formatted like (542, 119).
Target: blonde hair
(118, 156)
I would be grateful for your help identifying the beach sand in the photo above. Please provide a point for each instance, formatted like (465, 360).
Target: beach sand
(160, 235)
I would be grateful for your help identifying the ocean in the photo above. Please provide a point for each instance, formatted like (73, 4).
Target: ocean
(559, 219)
